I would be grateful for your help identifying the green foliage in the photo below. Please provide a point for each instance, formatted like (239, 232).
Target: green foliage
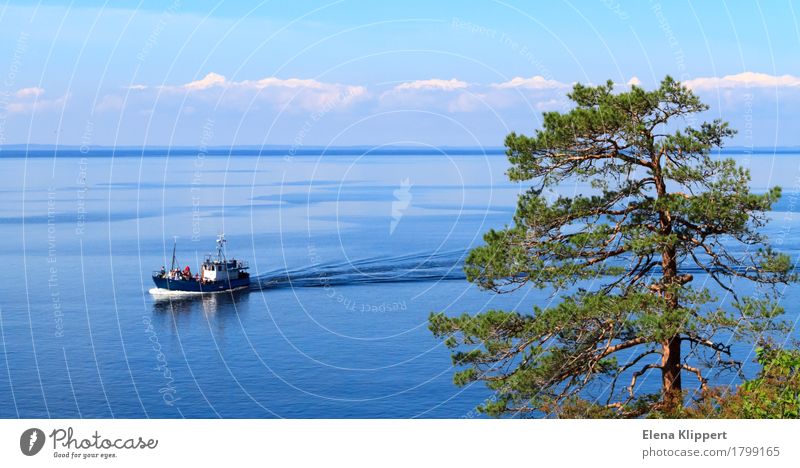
(774, 393)
(659, 204)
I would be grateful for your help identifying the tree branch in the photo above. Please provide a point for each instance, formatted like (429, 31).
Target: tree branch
(638, 374)
(696, 371)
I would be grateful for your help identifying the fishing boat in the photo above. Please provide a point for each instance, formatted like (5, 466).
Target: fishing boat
(217, 274)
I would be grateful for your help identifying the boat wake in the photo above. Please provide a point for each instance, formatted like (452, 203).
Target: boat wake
(160, 293)
(417, 267)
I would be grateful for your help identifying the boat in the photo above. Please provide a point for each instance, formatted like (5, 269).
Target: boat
(217, 274)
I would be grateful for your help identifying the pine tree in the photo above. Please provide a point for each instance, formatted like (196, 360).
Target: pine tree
(622, 257)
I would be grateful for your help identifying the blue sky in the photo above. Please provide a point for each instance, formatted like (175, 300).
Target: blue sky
(375, 73)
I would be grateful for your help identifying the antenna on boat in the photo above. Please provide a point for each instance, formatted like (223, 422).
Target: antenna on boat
(221, 246)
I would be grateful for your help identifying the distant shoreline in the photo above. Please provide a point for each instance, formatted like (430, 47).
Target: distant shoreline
(45, 151)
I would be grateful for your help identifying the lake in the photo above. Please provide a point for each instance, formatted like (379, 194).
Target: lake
(372, 242)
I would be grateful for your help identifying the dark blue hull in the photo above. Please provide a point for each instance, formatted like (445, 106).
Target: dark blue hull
(196, 286)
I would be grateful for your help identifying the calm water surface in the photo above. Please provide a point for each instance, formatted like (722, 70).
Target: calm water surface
(83, 337)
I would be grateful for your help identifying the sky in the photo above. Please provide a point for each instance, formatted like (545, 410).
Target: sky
(217, 73)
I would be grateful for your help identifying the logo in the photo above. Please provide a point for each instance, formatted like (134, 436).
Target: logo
(402, 199)
(31, 441)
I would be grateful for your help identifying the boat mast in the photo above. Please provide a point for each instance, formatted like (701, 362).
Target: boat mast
(174, 245)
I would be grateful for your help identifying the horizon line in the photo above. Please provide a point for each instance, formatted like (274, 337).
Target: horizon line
(33, 147)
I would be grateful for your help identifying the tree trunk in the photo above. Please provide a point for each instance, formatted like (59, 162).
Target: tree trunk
(671, 373)
(671, 348)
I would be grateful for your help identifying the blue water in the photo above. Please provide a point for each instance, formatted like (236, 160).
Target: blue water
(352, 251)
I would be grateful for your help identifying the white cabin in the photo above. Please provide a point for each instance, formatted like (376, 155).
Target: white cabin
(220, 268)
(221, 271)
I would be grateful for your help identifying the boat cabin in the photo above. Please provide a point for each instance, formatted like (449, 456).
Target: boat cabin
(216, 270)
(221, 268)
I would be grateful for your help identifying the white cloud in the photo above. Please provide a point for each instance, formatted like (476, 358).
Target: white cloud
(296, 93)
(433, 84)
(634, 81)
(292, 83)
(437, 94)
(459, 96)
(536, 93)
(212, 79)
(215, 80)
(744, 80)
(29, 102)
(29, 92)
(442, 95)
(534, 82)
